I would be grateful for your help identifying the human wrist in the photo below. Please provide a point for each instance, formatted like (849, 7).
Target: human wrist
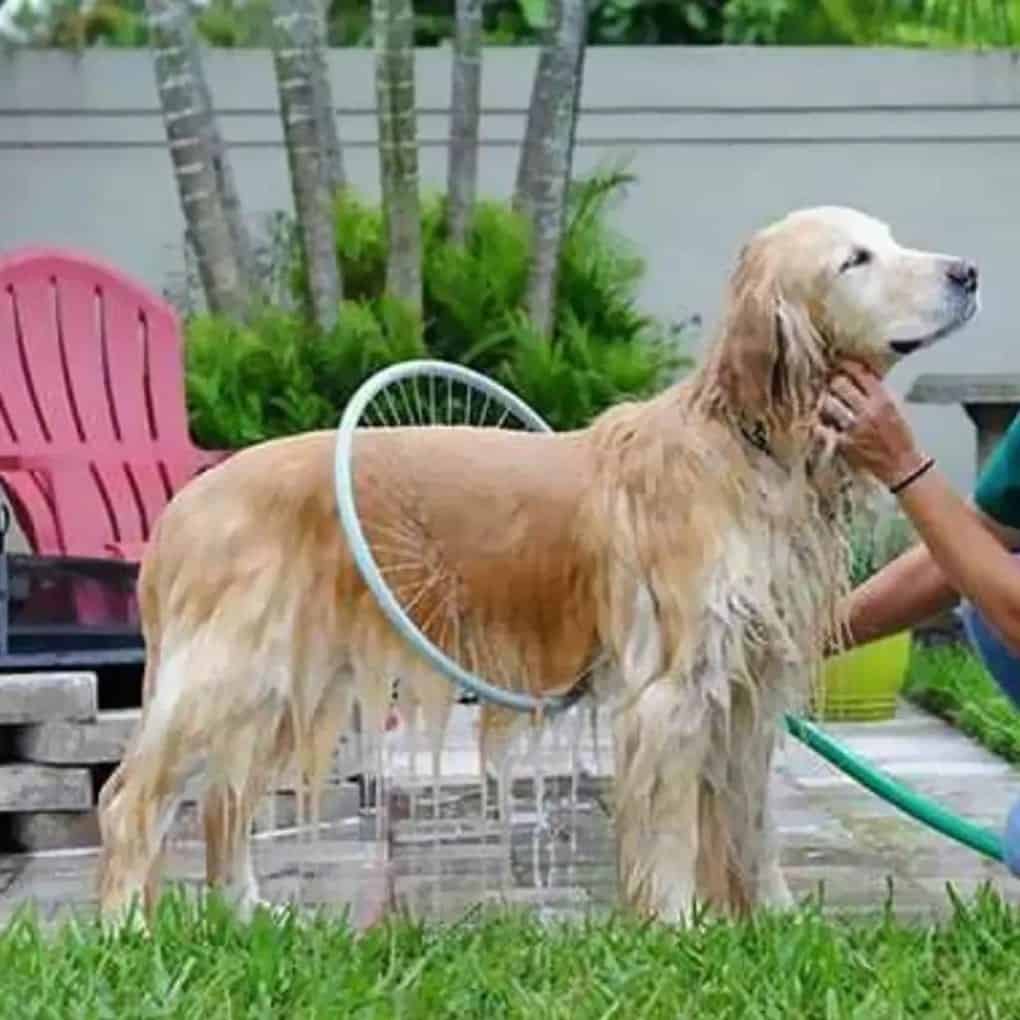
(910, 477)
(901, 466)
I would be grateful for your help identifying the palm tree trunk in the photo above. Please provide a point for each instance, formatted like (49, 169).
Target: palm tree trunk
(294, 33)
(325, 113)
(575, 116)
(465, 112)
(393, 29)
(186, 117)
(543, 173)
(225, 181)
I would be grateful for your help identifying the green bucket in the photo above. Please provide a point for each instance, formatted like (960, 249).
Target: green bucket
(864, 683)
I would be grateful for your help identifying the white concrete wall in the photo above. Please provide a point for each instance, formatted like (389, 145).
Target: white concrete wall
(722, 140)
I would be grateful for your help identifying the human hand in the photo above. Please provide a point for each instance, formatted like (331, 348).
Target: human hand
(869, 428)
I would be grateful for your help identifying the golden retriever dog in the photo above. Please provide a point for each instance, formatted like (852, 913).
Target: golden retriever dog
(683, 555)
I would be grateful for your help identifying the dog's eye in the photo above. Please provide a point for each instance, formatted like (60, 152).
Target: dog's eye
(858, 257)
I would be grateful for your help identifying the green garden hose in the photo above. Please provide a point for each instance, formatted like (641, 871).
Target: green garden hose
(983, 840)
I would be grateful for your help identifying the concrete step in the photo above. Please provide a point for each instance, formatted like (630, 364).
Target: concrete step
(44, 788)
(104, 739)
(36, 831)
(47, 697)
(78, 743)
(56, 830)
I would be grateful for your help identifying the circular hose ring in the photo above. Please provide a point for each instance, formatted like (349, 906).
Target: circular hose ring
(919, 807)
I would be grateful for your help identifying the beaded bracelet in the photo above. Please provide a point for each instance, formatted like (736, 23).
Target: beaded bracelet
(912, 477)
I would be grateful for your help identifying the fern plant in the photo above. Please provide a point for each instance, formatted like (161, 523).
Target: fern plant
(278, 375)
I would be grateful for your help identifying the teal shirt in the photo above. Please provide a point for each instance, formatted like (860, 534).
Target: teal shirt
(998, 488)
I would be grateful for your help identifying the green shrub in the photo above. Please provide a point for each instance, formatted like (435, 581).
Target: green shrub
(277, 375)
(919, 23)
(952, 682)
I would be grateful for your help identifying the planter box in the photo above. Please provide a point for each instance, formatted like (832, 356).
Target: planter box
(864, 683)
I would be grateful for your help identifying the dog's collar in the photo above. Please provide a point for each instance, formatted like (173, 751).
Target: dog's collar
(757, 434)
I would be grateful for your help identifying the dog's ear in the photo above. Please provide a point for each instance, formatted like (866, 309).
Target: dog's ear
(752, 353)
(800, 367)
(767, 345)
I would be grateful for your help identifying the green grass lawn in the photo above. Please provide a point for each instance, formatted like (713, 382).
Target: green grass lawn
(951, 682)
(199, 964)
(202, 965)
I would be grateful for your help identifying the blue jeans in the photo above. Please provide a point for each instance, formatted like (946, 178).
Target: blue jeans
(1004, 666)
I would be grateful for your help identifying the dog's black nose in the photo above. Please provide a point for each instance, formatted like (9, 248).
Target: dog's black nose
(964, 274)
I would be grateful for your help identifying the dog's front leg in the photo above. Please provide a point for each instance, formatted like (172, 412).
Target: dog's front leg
(773, 891)
(752, 833)
(661, 739)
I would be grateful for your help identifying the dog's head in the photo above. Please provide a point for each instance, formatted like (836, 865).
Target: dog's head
(824, 284)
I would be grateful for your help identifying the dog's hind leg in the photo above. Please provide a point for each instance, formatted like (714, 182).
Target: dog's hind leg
(151, 890)
(135, 815)
(240, 774)
(115, 782)
(245, 766)
(226, 820)
(187, 724)
(661, 745)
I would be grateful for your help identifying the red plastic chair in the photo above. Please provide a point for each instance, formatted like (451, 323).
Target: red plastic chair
(93, 423)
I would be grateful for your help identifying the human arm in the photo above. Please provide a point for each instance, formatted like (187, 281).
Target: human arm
(974, 560)
(909, 590)
(904, 593)
(965, 551)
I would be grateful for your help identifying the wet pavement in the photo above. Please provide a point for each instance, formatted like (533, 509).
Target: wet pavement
(556, 857)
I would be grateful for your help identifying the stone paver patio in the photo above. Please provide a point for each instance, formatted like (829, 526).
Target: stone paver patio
(835, 835)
